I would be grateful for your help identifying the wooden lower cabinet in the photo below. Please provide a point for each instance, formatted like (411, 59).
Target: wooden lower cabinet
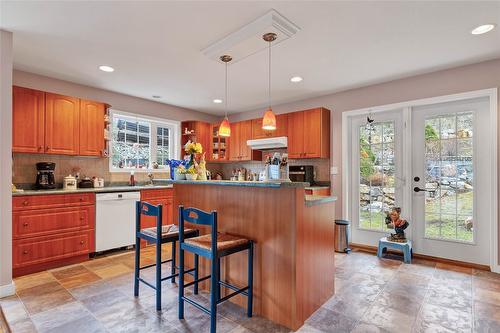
(50, 231)
(33, 223)
(33, 251)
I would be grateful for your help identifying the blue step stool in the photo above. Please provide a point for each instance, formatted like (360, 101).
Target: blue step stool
(384, 244)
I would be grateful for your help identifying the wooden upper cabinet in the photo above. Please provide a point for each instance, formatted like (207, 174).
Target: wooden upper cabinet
(312, 133)
(309, 134)
(62, 124)
(234, 142)
(28, 115)
(202, 131)
(245, 135)
(296, 134)
(281, 128)
(91, 128)
(241, 132)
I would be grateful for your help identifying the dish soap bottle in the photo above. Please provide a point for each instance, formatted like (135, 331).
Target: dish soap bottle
(132, 179)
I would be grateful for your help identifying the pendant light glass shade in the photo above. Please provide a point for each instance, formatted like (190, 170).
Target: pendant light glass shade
(269, 120)
(225, 127)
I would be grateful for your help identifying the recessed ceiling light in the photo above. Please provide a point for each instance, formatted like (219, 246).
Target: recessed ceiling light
(105, 68)
(156, 96)
(217, 101)
(482, 29)
(296, 79)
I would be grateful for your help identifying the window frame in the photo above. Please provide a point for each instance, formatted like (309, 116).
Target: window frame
(154, 122)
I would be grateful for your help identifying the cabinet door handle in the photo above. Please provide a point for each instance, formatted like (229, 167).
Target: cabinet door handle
(25, 252)
(25, 224)
(40, 148)
(82, 242)
(47, 148)
(82, 218)
(25, 203)
(81, 199)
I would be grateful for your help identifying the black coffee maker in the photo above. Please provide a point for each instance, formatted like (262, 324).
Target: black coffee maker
(45, 176)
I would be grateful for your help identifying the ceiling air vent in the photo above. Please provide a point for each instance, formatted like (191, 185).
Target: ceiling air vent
(248, 39)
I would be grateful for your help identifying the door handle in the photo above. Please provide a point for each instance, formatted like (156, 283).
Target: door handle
(418, 189)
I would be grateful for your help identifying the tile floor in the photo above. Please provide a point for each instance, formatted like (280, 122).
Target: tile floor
(372, 295)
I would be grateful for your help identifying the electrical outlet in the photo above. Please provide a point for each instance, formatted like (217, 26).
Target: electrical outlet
(334, 170)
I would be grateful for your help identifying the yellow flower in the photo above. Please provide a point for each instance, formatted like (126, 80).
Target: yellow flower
(199, 148)
(193, 148)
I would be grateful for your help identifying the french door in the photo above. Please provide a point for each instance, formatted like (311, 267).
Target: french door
(434, 161)
(377, 172)
(451, 180)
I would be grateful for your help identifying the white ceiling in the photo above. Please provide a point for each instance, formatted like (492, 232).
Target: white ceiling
(155, 47)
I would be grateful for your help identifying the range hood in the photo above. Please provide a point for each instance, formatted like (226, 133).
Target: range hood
(268, 143)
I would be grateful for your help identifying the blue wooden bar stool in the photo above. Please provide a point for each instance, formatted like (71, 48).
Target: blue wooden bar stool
(212, 246)
(158, 235)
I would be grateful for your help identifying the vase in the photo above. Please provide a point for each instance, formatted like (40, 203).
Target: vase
(191, 176)
(191, 161)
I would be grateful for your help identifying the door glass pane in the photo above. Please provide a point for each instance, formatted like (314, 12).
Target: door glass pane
(377, 171)
(449, 177)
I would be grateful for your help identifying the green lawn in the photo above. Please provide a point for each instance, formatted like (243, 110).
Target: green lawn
(443, 226)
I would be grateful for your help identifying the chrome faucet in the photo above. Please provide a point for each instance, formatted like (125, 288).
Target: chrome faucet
(151, 178)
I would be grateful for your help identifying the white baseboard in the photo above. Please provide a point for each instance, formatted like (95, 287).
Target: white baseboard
(7, 290)
(495, 269)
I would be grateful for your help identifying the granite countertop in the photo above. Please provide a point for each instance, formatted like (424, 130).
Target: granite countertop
(106, 189)
(312, 200)
(234, 183)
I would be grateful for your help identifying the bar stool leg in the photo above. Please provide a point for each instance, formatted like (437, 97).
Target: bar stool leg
(172, 269)
(250, 281)
(214, 284)
(181, 282)
(195, 276)
(218, 289)
(158, 275)
(137, 264)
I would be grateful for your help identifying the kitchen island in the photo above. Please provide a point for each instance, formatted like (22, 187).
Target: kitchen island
(294, 236)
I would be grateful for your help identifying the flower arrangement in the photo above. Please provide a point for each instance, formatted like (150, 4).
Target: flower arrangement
(193, 148)
(194, 169)
(189, 171)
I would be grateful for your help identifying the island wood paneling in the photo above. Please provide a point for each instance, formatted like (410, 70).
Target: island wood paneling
(294, 254)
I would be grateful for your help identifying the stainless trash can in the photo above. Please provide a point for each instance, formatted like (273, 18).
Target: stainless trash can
(342, 236)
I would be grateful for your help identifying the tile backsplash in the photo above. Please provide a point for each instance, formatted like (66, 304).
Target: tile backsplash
(24, 168)
(321, 166)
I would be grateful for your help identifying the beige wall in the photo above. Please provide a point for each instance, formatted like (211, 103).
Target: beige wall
(117, 101)
(6, 287)
(461, 79)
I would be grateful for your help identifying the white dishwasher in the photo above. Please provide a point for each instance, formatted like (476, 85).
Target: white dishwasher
(115, 220)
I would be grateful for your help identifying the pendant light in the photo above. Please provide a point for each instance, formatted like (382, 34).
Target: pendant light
(269, 120)
(225, 127)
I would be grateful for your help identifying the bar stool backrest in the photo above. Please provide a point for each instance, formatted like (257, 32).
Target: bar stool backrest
(147, 209)
(200, 217)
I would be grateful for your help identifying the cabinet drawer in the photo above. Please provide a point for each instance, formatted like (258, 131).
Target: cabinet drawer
(52, 200)
(35, 251)
(157, 194)
(31, 223)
